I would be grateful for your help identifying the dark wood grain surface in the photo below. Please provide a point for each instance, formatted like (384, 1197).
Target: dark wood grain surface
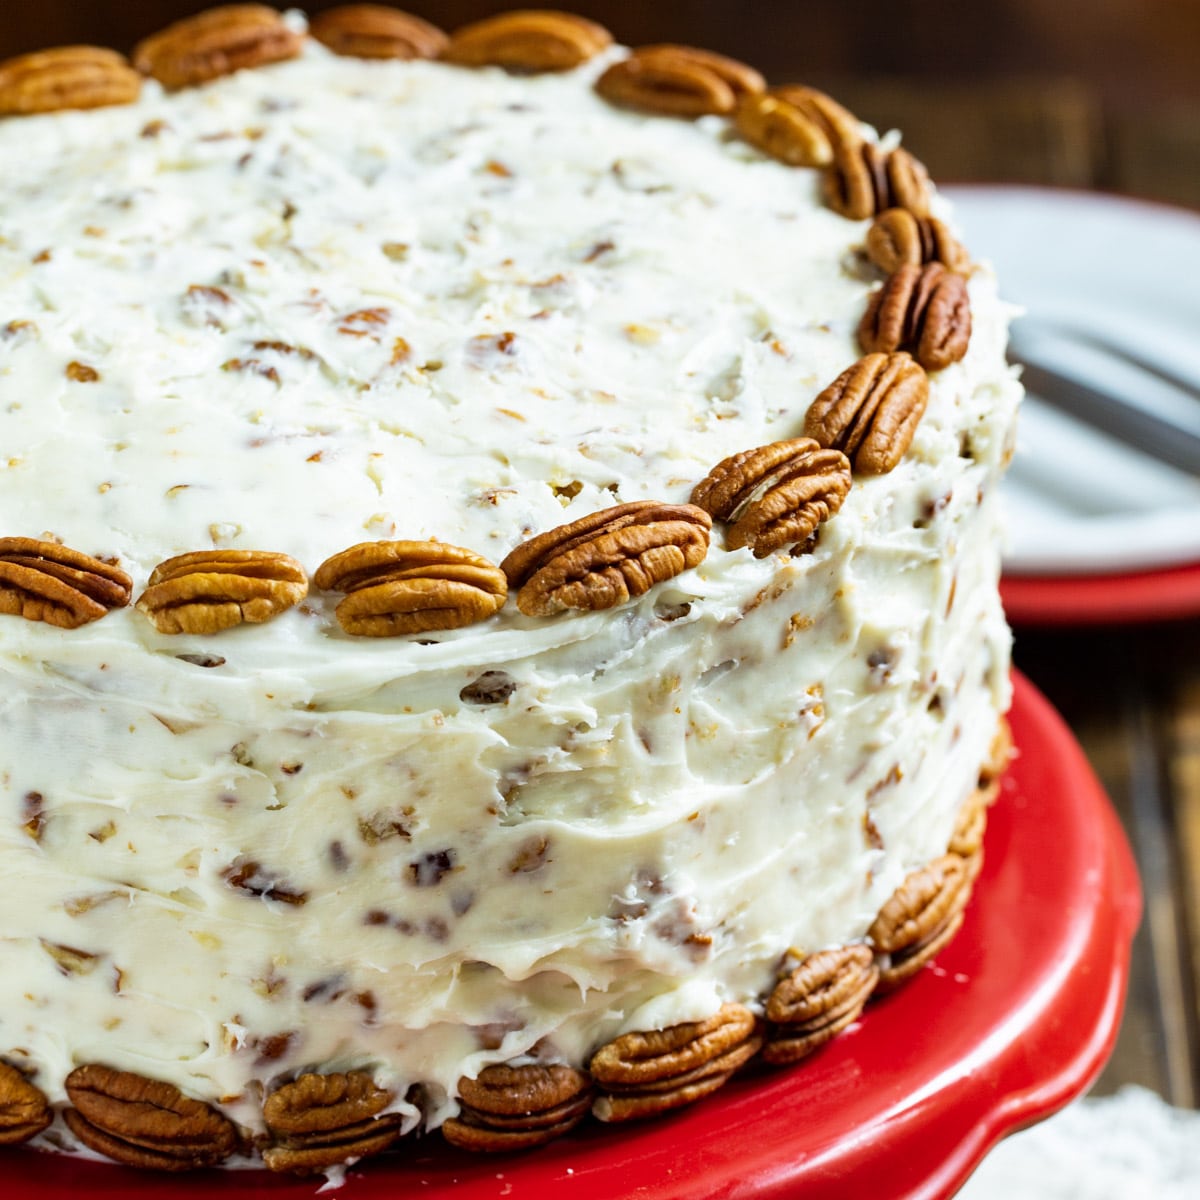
(1103, 95)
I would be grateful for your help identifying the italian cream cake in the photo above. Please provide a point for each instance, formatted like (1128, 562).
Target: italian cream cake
(498, 582)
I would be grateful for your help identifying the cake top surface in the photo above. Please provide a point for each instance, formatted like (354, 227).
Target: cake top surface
(333, 301)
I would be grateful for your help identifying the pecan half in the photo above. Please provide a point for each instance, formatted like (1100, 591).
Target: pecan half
(66, 77)
(532, 40)
(24, 1111)
(817, 1000)
(376, 31)
(608, 557)
(924, 310)
(318, 1121)
(871, 411)
(206, 591)
(1000, 754)
(775, 495)
(919, 919)
(43, 581)
(679, 81)
(797, 125)
(864, 180)
(970, 825)
(216, 42)
(897, 237)
(396, 588)
(517, 1108)
(644, 1074)
(145, 1123)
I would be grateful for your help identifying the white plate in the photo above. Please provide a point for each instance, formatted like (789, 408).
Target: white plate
(1079, 501)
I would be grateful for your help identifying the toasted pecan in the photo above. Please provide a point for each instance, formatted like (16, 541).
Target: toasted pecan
(799, 126)
(145, 1123)
(528, 40)
(871, 411)
(607, 557)
(44, 581)
(517, 1108)
(206, 591)
(376, 31)
(647, 1073)
(897, 237)
(216, 42)
(775, 495)
(402, 587)
(318, 1121)
(919, 919)
(680, 81)
(24, 1111)
(66, 77)
(863, 180)
(817, 999)
(925, 311)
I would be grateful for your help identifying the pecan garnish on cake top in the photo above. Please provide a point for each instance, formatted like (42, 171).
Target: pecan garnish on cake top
(775, 495)
(798, 125)
(529, 40)
(517, 1108)
(897, 237)
(376, 31)
(645, 1074)
(679, 81)
(871, 411)
(66, 77)
(864, 180)
(207, 591)
(318, 1121)
(44, 581)
(822, 995)
(402, 587)
(919, 919)
(145, 1123)
(216, 42)
(924, 310)
(607, 557)
(24, 1111)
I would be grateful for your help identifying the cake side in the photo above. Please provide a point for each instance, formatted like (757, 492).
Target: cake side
(325, 303)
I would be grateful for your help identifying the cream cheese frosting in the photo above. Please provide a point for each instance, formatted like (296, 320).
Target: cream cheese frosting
(333, 301)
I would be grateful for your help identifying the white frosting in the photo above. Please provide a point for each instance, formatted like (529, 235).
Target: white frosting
(561, 306)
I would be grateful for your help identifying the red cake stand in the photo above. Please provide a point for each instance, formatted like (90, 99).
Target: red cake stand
(1014, 1019)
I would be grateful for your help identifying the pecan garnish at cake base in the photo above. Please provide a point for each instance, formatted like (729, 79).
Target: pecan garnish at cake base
(207, 591)
(644, 1074)
(517, 1108)
(376, 31)
(919, 919)
(924, 310)
(608, 557)
(43, 581)
(145, 1123)
(815, 1001)
(871, 411)
(318, 1121)
(865, 180)
(898, 237)
(775, 495)
(66, 77)
(24, 1111)
(679, 81)
(403, 587)
(797, 125)
(216, 42)
(970, 825)
(531, 40)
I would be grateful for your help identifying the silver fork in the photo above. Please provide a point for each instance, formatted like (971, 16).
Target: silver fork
(1171, 441)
